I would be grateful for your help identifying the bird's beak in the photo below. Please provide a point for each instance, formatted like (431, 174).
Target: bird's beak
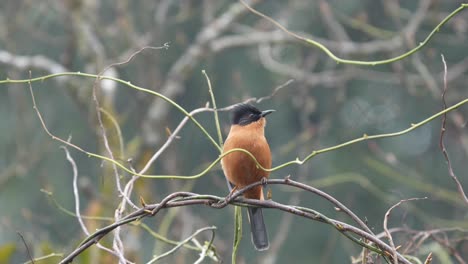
(267, 112)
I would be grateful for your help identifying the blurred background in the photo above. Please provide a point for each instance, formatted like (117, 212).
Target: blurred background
(319, 104)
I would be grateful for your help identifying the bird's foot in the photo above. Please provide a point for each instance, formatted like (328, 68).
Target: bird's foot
(264, 181)
(231, 193)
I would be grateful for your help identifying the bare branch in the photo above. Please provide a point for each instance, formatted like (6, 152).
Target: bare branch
(42, 258)
(185, 241)
(441, 139)
(180, 70)
(39, 115)
(76, 193)
(117, 243)
(385, 226)
(27, 247)
(334, 57)
(187, 199)
(312, 79)
(428, 259)
(275, 91)
(27, 62)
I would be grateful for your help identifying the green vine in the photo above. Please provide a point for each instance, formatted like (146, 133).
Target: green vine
(358, 62)
(297, 161)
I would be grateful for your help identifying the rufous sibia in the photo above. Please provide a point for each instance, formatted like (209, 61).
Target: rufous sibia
(247, 132)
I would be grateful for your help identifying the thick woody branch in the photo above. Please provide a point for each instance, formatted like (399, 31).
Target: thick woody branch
(179, 199)
(28, 62)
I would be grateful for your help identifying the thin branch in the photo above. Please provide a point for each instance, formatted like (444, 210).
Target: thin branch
(77, 201)
(325, 77)
(418, 237)
(39, 115)
(115, 123)
(198, 247)
(343, 47)
(215, 108)
(356, 62)
(278, 37)
(297, 161)
(76, 193)
(305, 187)
(41, 120)
(337, 30)
(385, 226)
(441, 139)
(40, 259)
(185, 241)
(428, 259)
(206, 248)
(275, 91)
(183, 66)
(117, 242)
(28, 62)
(187, 199)
(444, 242)
(27, 247)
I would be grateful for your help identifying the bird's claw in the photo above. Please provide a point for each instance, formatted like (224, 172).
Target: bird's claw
(264, 181)
(230, 194)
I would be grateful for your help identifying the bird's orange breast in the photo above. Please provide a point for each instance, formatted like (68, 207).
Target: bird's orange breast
(239, 167)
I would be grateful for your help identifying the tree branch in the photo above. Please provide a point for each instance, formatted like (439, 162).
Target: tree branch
(179, 199)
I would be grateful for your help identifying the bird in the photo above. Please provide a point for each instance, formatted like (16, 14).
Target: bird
(248, 132)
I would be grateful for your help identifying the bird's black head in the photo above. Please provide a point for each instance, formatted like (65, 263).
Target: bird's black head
(244, 114)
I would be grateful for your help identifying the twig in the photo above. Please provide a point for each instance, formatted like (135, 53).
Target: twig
(288, 181)
(77, 200)
(215, 108)
(418, 237)
(329, 77)
(441, 140)
(51, 255)
(39, 115)
(181, 69)
(98, 235)
(337, 31)
(198, 247)
(26, 246)
(428, 259)
(365, 137)
(212, 228)
(115, 123)
(117, 242)
(27, 62)
(356, 62)
(276, 90)
(75, 190)
(187, 199)
(452, 250)
(41, 120)
(205, 249)
(189, 116)
(385, 226)
(298, 161)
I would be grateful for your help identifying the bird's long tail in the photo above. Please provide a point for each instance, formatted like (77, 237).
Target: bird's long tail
(258, 229)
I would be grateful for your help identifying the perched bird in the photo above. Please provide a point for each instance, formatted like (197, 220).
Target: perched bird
(247, 132)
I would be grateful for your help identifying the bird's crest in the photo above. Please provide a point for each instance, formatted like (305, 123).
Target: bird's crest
(244, 114)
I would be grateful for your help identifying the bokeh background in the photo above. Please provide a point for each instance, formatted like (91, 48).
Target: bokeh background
(246, 57)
